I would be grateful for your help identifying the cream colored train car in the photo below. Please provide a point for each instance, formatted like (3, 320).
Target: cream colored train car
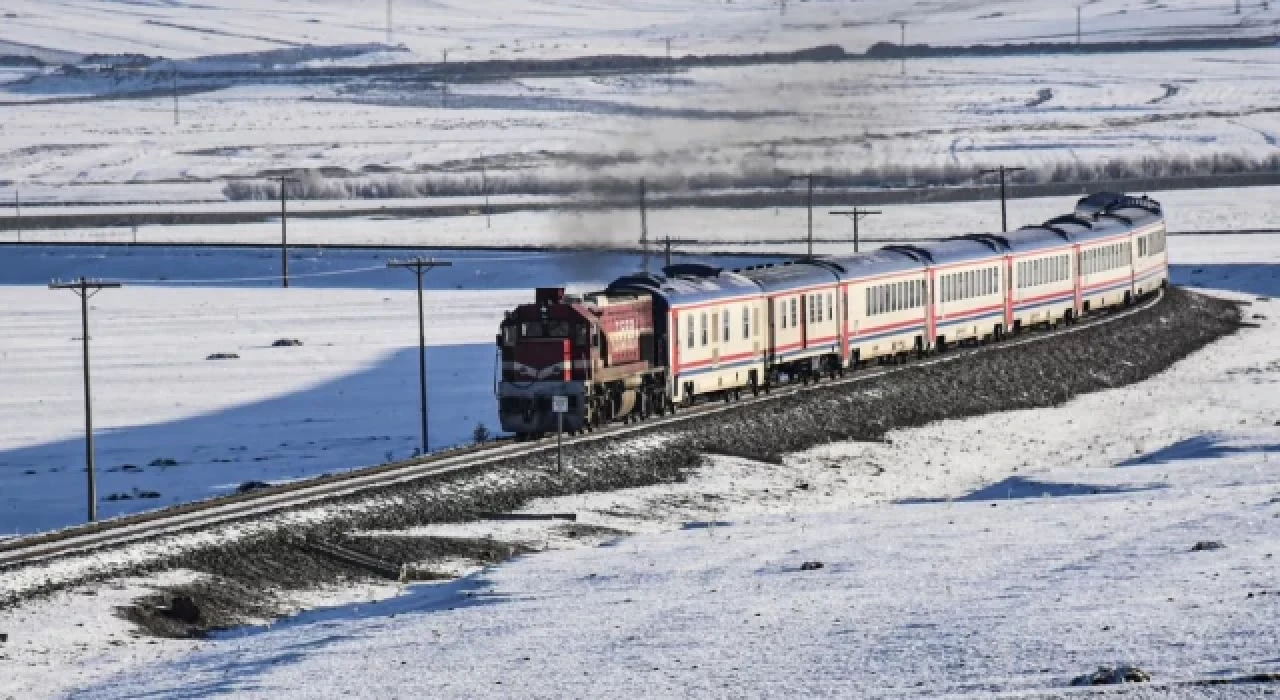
(884, 298)
(1042, 273)
(804, 319)
(1109, 253)
(711, 323)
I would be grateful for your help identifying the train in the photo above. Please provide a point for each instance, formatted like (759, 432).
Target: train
(649, 344)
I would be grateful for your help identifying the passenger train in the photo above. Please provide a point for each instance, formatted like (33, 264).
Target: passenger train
(651, 343)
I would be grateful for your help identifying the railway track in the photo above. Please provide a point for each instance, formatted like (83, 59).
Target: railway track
(34, 549)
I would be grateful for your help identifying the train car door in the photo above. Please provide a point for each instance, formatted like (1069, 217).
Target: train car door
(1006, 287)
(931, 314)
(1077, 279)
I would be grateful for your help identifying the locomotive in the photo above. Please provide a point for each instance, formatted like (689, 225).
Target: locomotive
(649, 343)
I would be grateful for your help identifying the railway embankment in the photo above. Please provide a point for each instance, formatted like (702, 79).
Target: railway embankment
(243, 575)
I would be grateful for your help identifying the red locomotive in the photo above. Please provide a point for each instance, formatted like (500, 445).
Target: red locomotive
(597, 350)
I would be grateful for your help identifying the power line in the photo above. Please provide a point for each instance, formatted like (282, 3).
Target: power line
(420, 267)
(270, 278)
(1004, 211)
(856, 214)
(86, 289)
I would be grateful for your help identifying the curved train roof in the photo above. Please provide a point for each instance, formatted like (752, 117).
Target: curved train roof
(874, 264)
(790, 275)
(960, 249)
(683, 285)
(1112, 213)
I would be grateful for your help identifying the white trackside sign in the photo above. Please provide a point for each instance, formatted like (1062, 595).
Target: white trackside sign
(560, 404)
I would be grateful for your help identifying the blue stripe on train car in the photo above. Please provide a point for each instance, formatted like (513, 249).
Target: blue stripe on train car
(970, 319)
(1104, 290)
(1066, 296)
(919, 327)
(721, 367)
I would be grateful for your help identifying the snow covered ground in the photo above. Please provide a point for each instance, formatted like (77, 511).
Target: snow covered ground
(551, 28)
(75, 139)
(1000, 554)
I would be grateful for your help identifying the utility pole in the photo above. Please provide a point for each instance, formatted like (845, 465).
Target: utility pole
(644, 229)
(670, 65)
(1079, 8)
(484, 187)
(388, 22)
(284, 231)
(809, 178)
(1004, 211)
(856, 214)
(420, 267)
(902, 44)
(175, 94)
(86, 289)
(667, 257)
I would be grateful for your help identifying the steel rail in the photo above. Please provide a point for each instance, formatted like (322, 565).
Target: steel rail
(26, 550)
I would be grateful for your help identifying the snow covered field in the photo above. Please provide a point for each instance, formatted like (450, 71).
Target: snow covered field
(994, 555)
(75, 139)
(540, 28)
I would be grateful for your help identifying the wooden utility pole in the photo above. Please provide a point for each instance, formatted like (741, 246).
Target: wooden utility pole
(856, 214)
(902, 44)
(284, 231)
(86, 289)
(644, 229)
(421, 266)
(484, 187)
(1004, 211)
(809, 179)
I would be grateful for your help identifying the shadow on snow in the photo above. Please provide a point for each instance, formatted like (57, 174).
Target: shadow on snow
(361, 419)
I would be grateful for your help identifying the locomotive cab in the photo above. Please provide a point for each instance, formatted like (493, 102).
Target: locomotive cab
(596, 350)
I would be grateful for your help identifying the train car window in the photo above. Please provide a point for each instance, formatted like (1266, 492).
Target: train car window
(746, 323)
(715, 336)
(869, 310)
(831, 309)
(689, 326)
(816, 311)
(704, 329)
(725, 317)
(755, 318)
(782, 313)
(794, 318)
